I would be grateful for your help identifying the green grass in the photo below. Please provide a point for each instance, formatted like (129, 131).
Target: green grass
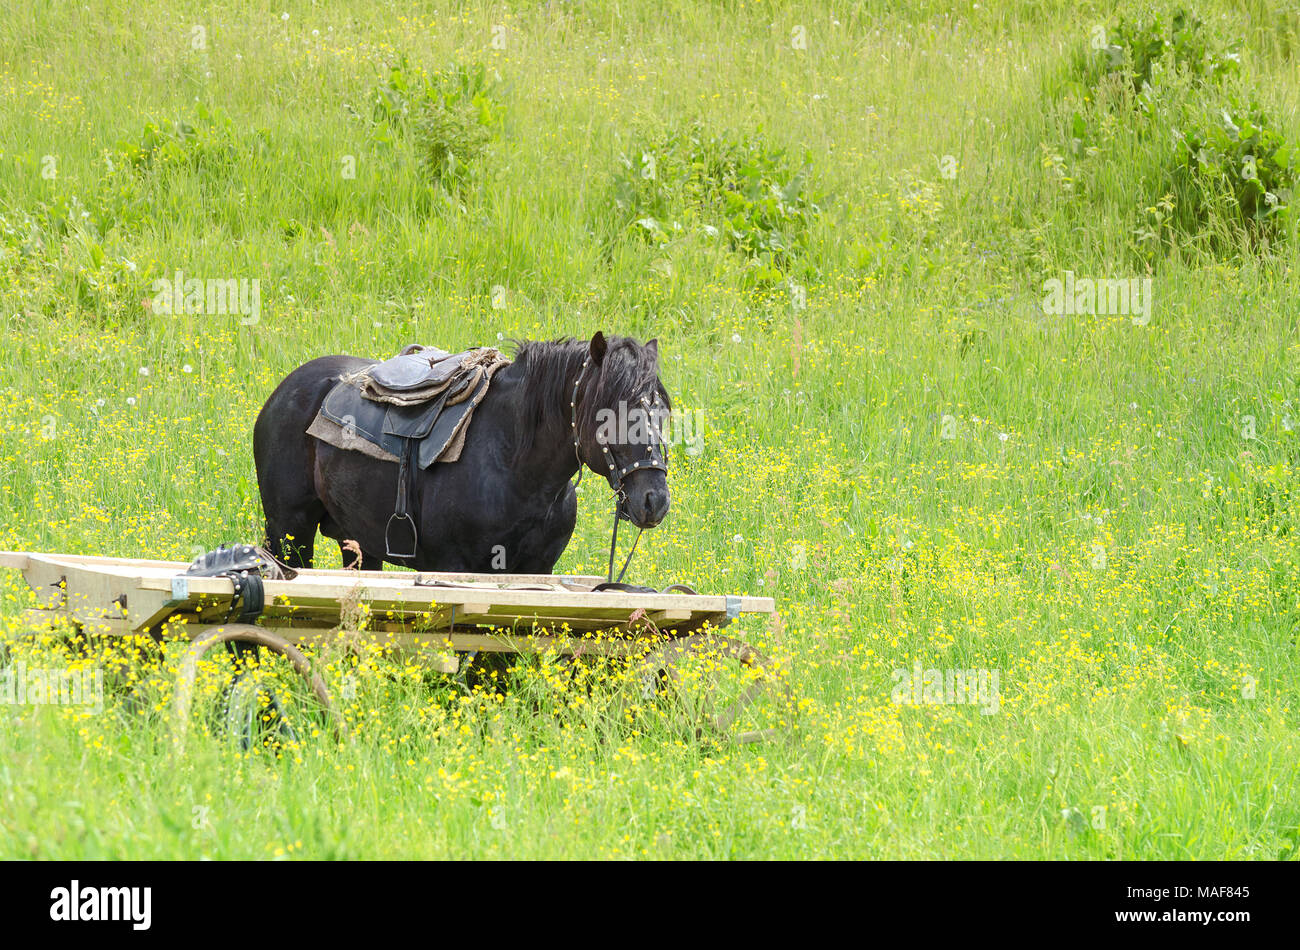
(1099, 528)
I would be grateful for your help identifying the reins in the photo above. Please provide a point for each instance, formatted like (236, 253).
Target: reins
(613, 546)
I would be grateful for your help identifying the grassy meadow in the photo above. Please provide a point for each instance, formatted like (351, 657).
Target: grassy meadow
(841, 221)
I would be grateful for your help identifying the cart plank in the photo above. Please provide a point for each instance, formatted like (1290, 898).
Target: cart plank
(139, 595)
(18, 560)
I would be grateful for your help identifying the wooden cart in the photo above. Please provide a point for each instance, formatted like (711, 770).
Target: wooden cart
(457, 614)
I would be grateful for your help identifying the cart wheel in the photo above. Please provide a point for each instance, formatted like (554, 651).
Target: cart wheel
(698, 679)
(248, 701)
(253, 716)
(487, 670)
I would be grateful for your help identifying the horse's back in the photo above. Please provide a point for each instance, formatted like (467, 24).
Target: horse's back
(311, 378)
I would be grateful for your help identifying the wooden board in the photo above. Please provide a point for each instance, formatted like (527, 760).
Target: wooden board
(19, 560)
(121, 595)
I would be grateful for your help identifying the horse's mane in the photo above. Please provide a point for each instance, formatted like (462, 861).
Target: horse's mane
(549, 369)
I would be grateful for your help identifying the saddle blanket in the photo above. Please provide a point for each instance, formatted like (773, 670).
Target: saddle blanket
(423, 394)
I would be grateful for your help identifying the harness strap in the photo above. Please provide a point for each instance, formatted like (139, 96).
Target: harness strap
(244, 565)
(613, 543)
(249, 598)
(614, 475)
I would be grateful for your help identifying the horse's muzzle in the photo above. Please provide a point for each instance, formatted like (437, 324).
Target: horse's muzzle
(646, 509)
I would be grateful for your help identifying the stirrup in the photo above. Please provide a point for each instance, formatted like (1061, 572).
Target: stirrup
(388, 536)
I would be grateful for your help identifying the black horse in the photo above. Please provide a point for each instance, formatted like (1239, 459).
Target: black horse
(507, 504)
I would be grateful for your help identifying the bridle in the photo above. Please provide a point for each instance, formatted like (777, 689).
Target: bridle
(616, 474)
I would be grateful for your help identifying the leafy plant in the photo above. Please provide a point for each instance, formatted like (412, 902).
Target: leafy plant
(742, 189)
(451, 116)
(1210, 166)
(1244, 159)
(1139, 48)
(207, 143)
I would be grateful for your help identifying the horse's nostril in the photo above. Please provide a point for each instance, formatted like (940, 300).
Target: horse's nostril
(656, 506)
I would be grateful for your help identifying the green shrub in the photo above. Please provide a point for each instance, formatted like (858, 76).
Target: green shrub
(450, 116)
(209, 143)
(1163, 115)
(1240, 158)
(739, 188)
(79, 241)
(60, 245)
(1137, 48)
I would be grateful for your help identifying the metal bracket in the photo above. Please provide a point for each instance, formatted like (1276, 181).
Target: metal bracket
(733, 610)
(180, 591)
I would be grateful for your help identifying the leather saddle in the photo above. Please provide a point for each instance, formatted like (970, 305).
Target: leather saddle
(390, 427)
(416, 368)
(413, 409)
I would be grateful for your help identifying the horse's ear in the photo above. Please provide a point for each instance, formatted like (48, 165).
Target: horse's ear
(598, 347)
(653, 347)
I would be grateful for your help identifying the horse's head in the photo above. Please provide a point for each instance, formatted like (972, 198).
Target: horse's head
(619, 409)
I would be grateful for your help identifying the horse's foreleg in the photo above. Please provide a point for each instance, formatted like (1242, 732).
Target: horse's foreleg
(294, 545)
(293, 512)
(291, 532)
